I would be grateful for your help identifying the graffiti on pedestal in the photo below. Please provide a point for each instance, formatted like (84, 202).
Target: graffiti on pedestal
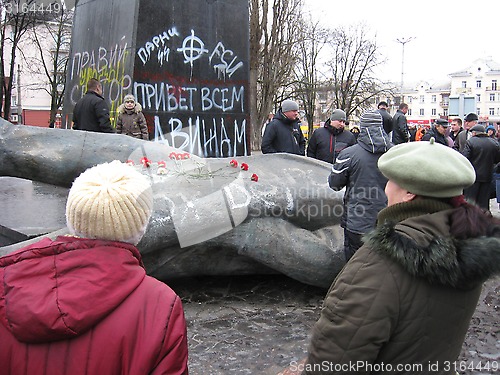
(185, 62)
(108, 65)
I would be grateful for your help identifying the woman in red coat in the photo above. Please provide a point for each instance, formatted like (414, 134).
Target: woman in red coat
(85, 305)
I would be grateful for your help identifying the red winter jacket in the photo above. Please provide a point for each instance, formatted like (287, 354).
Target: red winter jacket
(80, 306)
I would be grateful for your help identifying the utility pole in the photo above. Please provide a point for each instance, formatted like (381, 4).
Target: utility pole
(403, 41)
(20, 119)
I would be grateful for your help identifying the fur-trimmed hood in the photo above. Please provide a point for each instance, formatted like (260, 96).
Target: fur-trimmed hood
(137, 108)
(424, 247)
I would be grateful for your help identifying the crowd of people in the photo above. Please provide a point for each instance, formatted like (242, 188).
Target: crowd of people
(478, 144)
(419, 242)
(417, 232)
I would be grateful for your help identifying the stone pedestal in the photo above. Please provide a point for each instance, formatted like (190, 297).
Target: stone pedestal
(186, 62)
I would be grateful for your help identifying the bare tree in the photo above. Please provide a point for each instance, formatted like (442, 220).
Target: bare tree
(354, 58)
(314, 38)
(16, 19)
(53, 35)
(274, 34)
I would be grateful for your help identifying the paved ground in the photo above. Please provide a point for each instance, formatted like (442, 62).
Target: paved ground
(260, 324)
(247, 325)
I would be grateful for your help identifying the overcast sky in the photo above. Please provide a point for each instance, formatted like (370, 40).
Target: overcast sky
(448, 35)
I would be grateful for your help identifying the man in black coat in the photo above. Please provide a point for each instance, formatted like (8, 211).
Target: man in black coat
(283, 133)
(91, 113)
(483, 152)
(327, 142)
(386, 117)
(400, 133)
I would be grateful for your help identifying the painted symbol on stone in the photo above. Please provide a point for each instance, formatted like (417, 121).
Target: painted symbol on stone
(192, 48)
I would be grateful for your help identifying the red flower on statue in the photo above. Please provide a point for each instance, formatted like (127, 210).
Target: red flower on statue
(162, 164)
(146, 162)
(129, 162)
(254, 178)
(233, 163)
(244, 166)
(179, 156)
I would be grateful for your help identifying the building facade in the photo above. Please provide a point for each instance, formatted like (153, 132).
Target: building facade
(31, 92)
(474, 89)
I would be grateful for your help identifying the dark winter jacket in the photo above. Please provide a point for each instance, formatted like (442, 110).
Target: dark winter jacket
(483, 152)
(327, 142)
(132, 122)
(461, 139)
(454, 136)
(386, 120)
(77, 306)
(437, 136)
(407, 296)
(356, 169)
(283, 135)
(400, 133)
(91, 113)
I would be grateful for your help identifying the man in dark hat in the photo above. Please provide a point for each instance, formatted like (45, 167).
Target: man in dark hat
(469, 121)
(483, 152)
(438, 131)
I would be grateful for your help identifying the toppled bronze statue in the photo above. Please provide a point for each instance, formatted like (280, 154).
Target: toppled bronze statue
(247, 215)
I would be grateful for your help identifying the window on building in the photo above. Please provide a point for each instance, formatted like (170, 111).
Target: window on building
(422, 98)
(478, 84)
(492, 97)
(410, 99)
(478, 97)
(13, 101)
(464, 84)
(491, 111)
(445, 112)
(433, 112)
(434, 98)
(422, 112)
(409, 112)
(494, 84)
(478, 111)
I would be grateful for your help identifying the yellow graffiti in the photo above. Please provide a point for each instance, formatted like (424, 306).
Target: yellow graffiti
(109, 76)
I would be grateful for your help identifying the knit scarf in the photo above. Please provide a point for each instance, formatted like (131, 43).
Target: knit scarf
(402, 211)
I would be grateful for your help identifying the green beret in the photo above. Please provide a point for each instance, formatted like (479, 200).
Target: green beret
(428, 169)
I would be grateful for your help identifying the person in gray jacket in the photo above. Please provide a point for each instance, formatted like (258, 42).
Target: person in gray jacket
(356, 169)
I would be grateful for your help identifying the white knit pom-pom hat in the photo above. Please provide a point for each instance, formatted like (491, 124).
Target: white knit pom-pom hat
(111, 201)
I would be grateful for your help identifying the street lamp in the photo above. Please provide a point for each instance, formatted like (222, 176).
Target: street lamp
(403, 41)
